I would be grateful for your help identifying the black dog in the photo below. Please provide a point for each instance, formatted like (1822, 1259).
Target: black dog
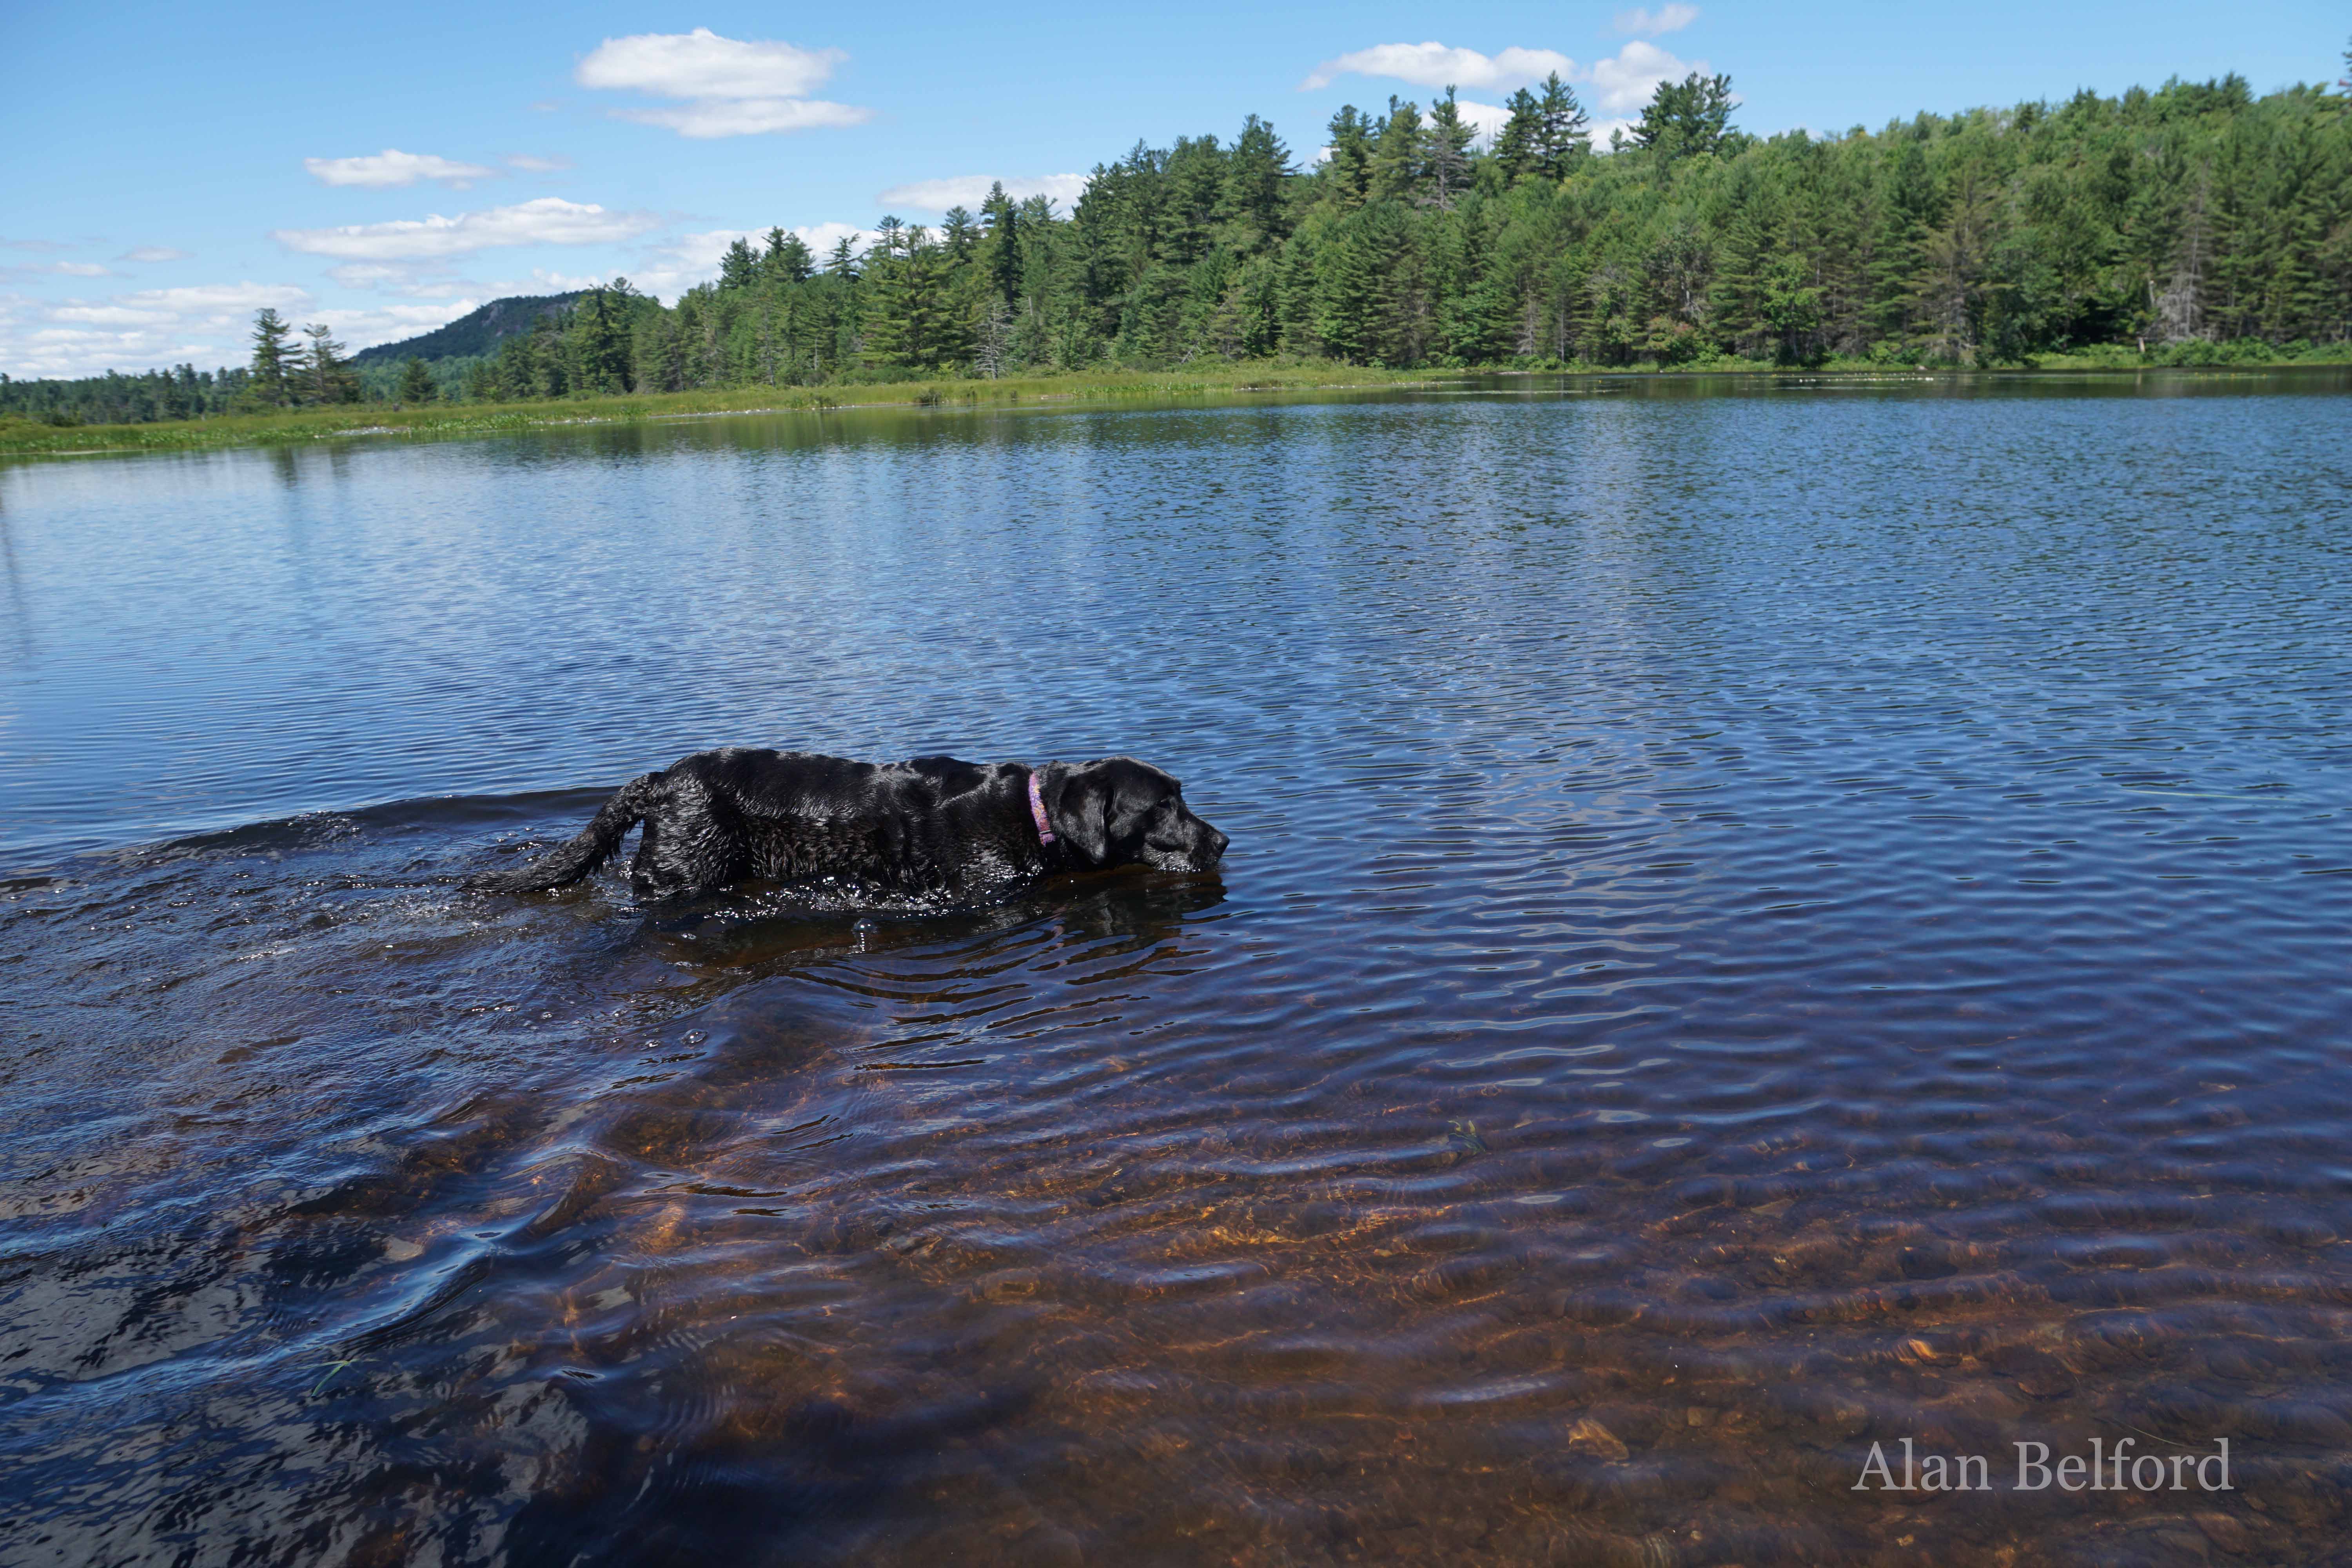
(933, 825)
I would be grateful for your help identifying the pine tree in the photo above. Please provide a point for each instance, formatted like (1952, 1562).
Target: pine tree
(600, 336)
(1196, 185)
(914, 320)
(787, 257)
(415, 383)
(740, 267)
(1398, 155)
(1686, 117)
(273, 360)
(958, 233)
(1559, 131)
(1449, 152)
(1253, 207)
(1515, 149)
(324, 375)
(1352, 294)
(1003, 245)
(1349, 172)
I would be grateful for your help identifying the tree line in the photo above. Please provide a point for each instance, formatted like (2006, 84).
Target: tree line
(2173, 221)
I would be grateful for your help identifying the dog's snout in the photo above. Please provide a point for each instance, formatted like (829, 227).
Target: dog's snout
(1217, 842)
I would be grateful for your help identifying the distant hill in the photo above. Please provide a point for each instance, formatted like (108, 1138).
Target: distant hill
(477, 333)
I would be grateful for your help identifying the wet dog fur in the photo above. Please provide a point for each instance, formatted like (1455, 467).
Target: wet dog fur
(933, 825)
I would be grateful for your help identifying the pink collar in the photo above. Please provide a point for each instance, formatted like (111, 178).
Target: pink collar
(1038, 810)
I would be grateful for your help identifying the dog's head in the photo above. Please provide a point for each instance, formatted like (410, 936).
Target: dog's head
(1120, 811)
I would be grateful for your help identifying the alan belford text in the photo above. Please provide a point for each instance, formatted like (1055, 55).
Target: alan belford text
(2101, 1469)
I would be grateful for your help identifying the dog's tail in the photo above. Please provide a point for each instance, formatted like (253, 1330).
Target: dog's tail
(590, 848)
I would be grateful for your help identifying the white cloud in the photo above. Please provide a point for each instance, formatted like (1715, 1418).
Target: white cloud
(701, 64)
(371, 274)
(541, 281)
(360, 328)
(1671, 18)
(153, 253)
(58, 268)
(1625, 82)
(714, 117)
(418, 281)
(40, 244)
(821, 238)
(107, 315)
(1620, 84)
(202, 301)
(529, 164)
(1434, 64)
(134, 331)
(971, 190)
(549, 220)
(670, 268)
(730, 86)
(393, 167)
(1486, 119)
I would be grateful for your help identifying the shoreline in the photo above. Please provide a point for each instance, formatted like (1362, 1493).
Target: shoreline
(25, 438)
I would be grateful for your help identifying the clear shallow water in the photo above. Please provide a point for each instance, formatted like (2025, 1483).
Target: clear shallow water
(1761, 920)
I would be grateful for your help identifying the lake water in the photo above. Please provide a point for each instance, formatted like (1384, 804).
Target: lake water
(1763, 918)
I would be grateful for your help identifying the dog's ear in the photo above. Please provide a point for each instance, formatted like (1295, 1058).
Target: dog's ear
(1081, 812)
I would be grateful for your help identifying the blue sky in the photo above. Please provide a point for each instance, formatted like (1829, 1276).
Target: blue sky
(172, 168)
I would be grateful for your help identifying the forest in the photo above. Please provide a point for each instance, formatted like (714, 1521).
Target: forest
(2186, 223)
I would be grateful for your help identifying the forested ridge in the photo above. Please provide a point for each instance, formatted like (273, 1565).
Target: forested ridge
(2187, 222)
(475, 333)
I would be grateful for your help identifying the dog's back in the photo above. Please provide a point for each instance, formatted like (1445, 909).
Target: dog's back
(738, 814)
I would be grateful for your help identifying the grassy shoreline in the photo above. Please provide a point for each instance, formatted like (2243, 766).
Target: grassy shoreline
(22, 437)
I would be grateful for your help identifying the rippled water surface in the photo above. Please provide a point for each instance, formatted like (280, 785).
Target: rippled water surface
(1761, 920)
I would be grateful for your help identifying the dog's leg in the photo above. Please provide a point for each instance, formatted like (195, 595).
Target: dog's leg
(695, 843)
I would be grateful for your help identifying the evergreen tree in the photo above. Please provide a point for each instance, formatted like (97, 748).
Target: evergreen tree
(1349, 172)
(1515, 148)
(1450, 137)
(740, 267)
(1559, 130)
(915, 321)
(1352, 296)
(1195, 179)
(958, 233)
(1688, 117)
(1003, 245)
(273, 361)
(416, 382)
(600, 336)
(787, 258)
(324, 375)
(1398, 153)
(1252, 206)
